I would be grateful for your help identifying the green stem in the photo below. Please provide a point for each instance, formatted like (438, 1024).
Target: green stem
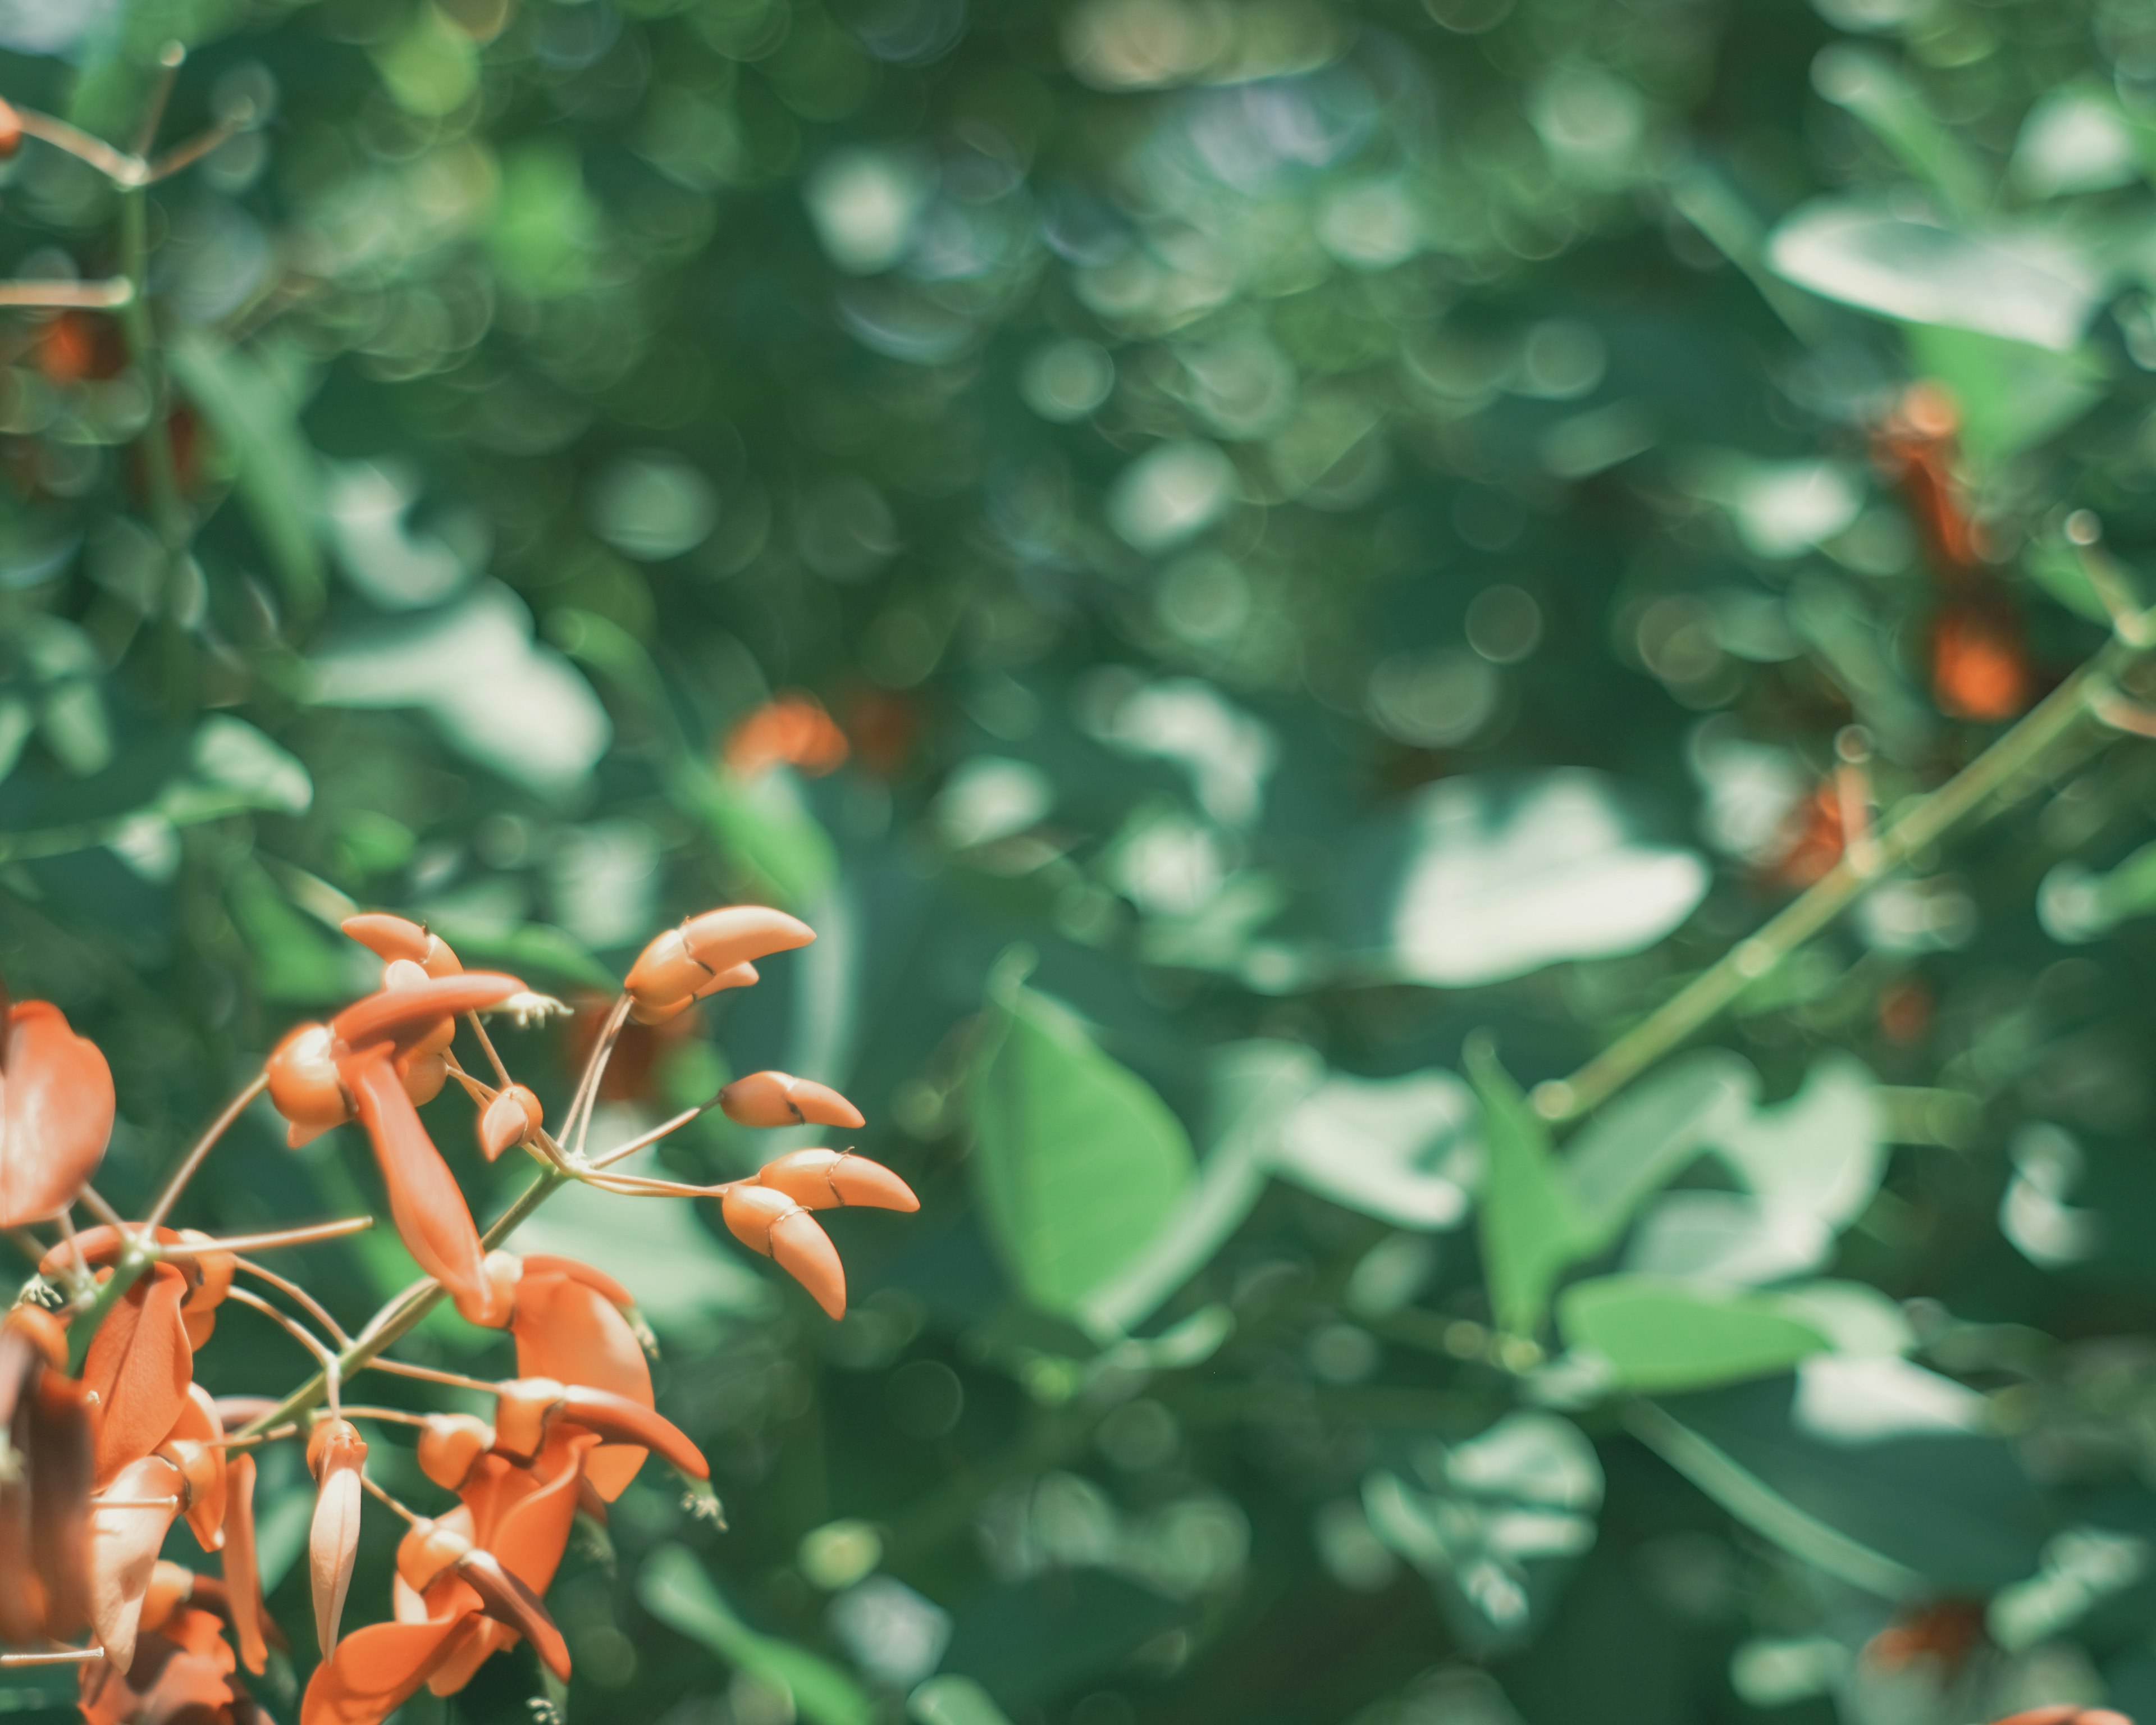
(2002, 774)
(83, 1326)
(141, 331)
(401, 1321)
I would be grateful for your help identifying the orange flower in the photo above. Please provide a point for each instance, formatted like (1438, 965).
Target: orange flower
(791, 731)
(209, 1274)
(467, 1584)
(336, 1454)
(56, 1108)
(181, 1675)
(571, 1324)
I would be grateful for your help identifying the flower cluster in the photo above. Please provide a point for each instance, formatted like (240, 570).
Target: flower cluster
(109, 1441)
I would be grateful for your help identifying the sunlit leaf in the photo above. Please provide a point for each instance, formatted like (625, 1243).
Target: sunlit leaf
(1486, 879)
(1530, 1223)
(1657, 1335)
(1077, 1164)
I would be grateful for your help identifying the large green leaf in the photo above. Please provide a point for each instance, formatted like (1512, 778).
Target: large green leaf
(677, 1590)
(1485, 878)
(1530, 1222)
(1657, 1335)
(1077, 1162)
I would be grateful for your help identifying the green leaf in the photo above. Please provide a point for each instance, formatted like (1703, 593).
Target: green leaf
(256, 419)
(1659, 1335)
(1531, 1224)
(1486, 878)
(1393, 1148)
(1077, 1164)
(674, 1589)
(953, 1700)
(2028, 285)
(1640, 1143)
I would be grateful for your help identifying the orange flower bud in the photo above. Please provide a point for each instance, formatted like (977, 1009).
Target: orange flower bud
(449, 1443)
(10, 131)
(831, 1179)
(391, 938)
(770, 1222)
(336, 1455)
(792, 730)
(509, 1117)
(737, 934)
(780, 1099)
(304, 1085)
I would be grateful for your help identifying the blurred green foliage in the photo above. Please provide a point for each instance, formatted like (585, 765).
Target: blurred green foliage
(1330, 527)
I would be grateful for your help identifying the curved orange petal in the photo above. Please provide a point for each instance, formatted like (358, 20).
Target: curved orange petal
(530, 1532)
(780, 1099)
(405, 1016)
(56, 1108)
(139, 1364)
(123, 1551)
(737, 934)
(607, 1415)
(833, 1179)
(514, 1112)
(508, 1601)
(391, 938)
(429, 1210)
(243, 1577)
(376, 1670)
(567, 1329)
